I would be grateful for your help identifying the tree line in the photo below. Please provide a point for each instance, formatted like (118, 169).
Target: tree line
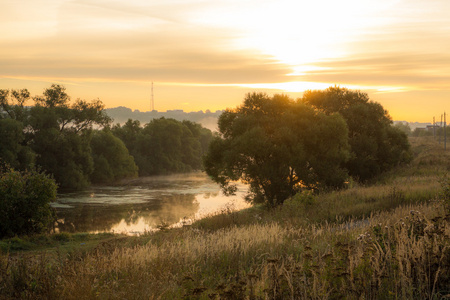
(74, 144)
(77, 144)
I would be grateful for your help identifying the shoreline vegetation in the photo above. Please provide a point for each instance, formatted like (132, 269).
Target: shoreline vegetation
(386, 240)
(77, 144)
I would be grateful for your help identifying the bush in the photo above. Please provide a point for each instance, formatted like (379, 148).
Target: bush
(111, 158)
(25, 202)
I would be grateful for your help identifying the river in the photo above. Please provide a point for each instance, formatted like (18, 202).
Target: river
(141, 205)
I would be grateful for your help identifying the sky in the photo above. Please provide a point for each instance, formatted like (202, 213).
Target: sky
(207, 54)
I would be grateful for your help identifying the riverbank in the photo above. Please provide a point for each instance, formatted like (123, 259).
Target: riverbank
(386, 240)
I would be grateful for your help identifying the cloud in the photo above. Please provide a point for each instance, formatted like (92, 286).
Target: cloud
(135, 41)
(414, 71)
(111, 59)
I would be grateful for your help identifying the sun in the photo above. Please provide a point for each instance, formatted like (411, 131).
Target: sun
(297, 33)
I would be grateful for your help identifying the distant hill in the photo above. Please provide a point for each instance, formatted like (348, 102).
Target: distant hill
(207, 119)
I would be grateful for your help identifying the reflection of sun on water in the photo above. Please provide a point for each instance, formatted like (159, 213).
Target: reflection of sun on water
(138, 227)
(209, 203)
(220, 203)
(156, 202)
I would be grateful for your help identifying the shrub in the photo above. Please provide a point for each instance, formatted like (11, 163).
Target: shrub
(25, 202)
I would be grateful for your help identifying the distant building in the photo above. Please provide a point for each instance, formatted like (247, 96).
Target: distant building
(431, 128)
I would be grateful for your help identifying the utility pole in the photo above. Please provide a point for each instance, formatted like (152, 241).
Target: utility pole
(445, 132)
(440, 130)
(434, 128)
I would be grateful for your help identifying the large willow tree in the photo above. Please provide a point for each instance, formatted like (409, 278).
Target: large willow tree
(278, 146)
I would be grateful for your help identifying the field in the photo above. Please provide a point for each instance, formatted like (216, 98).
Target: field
(386, 240)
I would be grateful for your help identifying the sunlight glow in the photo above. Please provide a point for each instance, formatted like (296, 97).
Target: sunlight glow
(298, 32)
(209, 53)
(301, 86)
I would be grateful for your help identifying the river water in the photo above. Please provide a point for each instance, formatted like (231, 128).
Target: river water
(143, 204)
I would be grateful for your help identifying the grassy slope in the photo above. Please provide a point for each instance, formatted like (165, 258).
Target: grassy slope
(385, 240)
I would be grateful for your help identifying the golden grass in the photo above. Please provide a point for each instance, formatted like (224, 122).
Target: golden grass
(385, 241)
(403, 253)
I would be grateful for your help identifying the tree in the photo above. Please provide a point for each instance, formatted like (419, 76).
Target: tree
(164, 146)
(278, 147)
(61, 136)
(14, 149)
(200, 133)
(404, 127)
(13, 152)
(12, 103)
(25, 202)
(376, 146)
(111, 158)
(54, 134)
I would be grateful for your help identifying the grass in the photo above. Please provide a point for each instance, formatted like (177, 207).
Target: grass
(389, 240)
(62, 242)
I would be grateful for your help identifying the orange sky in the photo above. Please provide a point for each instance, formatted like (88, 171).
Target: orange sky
(206, 54)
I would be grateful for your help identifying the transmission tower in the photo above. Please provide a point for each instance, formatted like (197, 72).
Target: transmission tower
(153, 100)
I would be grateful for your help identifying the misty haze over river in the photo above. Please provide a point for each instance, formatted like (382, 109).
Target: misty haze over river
(143, 204)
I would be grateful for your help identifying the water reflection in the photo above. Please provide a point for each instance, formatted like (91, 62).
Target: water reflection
(142, 204)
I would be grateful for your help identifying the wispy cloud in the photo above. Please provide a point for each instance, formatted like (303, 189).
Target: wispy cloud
(384, 46)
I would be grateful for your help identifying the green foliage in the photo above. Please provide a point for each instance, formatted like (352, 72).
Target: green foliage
(15, 244)
(305, 198)
(62, 237)
(13, 149)
(111, 158)
(404, 127)
(376, 145)
(12, 152)
(164, 145)
(58, 135)
(54, 134)
(278, 146)
(12, 103)
(25, 202)
(66, 155)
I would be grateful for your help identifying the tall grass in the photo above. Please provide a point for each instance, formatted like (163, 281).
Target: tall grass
(386, 241)
(401, 254)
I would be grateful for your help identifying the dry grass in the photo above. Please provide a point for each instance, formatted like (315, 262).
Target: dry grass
(401, 254)
(376, 242)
